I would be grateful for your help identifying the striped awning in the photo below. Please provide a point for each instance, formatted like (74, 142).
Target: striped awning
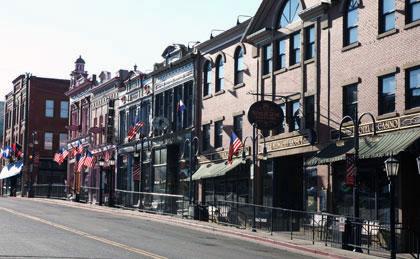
(384, 145)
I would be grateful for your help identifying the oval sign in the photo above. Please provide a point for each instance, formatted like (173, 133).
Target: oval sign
(266, 115)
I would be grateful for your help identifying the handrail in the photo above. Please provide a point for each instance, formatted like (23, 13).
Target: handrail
(151, 193)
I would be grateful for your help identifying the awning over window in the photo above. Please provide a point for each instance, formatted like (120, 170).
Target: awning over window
(385, 145)
(211, 170)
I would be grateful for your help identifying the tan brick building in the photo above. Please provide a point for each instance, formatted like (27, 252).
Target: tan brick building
(322, 61)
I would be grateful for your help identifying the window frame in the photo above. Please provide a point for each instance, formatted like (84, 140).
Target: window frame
(45, 140)
(239, 66)
(294, 120)
(287, 4)
(281, 55)
(218, 134)
(381, 98)
(408, 11)
(238, 125)
(267, 59)
(410, 103)
(220, 72)
(206, 137)
(46, 114)
(66, 115)
(60, 139)
(207, 78)
(295, 53)
(347, 28)
(346, 111)
(310, 43)
(383, 14)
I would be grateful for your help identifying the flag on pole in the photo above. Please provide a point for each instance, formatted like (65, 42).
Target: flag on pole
(89, 160)
(58, 158)
(235, 145)
(64, 153)
(133, 130)
(81, 164)
(180, 106)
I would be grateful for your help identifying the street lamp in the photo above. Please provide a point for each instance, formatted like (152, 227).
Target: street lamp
(190, 142)
(31, 169)
(111, 163)
(391, 167)
(101, 166)
(254, 140)
(356, 124)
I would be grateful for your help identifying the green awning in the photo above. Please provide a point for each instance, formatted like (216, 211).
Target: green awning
(388, 144)
(211, 170)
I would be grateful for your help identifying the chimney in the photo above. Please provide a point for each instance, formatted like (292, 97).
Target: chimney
(94, 79)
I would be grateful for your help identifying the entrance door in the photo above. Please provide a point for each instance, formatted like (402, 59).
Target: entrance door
(288, 182)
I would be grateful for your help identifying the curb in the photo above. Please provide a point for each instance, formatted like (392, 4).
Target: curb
(200, 227)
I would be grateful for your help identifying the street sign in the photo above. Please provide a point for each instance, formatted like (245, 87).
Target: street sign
(266, 115)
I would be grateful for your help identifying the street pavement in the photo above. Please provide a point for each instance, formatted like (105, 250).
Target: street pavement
(31, 229)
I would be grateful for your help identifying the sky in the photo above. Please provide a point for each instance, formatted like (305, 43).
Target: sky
(45, 37)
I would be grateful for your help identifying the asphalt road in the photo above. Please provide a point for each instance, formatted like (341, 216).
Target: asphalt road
(32, 229)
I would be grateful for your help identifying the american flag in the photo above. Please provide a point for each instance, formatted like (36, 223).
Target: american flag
(58, 158)
(133, 131)
(64, 153)
(350, 169)
(107, 156)
(235, 145)
(81, 164)
(89, 160)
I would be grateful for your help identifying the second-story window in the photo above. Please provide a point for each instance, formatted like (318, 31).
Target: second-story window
(310, 42)
(220, 74)
(63, 139)
(309, 112)
(387, 15)
(350, 101)
(413, 88)
(413, 10)
(218, 134)
(206, 137)
(64, 109)
(48, 141)
(207, 79)
(281, 60)
(351, 22)
(295, 49)
(239, 66)
(49, 108)
(294, 115)
(237, 125)
(386, 94)
(268, 59)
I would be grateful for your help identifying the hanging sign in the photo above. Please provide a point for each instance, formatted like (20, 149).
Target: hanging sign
(266, 115)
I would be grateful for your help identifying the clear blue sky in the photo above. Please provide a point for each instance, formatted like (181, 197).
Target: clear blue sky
(45, 37)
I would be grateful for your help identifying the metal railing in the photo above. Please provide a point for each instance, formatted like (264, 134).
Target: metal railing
(55, 191)
(153, 202)
(332, 230)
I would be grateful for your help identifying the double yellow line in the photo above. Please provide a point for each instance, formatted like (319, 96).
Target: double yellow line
(87, 235)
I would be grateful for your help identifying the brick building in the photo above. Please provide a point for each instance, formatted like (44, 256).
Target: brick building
(320, 62)
(36, 114)
(227, 72)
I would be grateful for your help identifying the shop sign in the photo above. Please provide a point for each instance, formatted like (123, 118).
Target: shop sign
(341, 224)
(266, 115)
(288, 143)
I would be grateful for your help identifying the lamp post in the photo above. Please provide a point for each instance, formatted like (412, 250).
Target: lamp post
(31, 169)
(356, 123)
(190, 158)
(101, 167)
(391, 167)
(254, 140)
(112, 180)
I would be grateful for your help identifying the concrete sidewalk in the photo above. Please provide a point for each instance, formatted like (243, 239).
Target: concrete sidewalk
(279, 241)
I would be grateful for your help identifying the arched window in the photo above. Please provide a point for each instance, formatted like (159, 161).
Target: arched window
(289, 13)
(239, 66)
(220, 72)
(351, 20)
(207, 79)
